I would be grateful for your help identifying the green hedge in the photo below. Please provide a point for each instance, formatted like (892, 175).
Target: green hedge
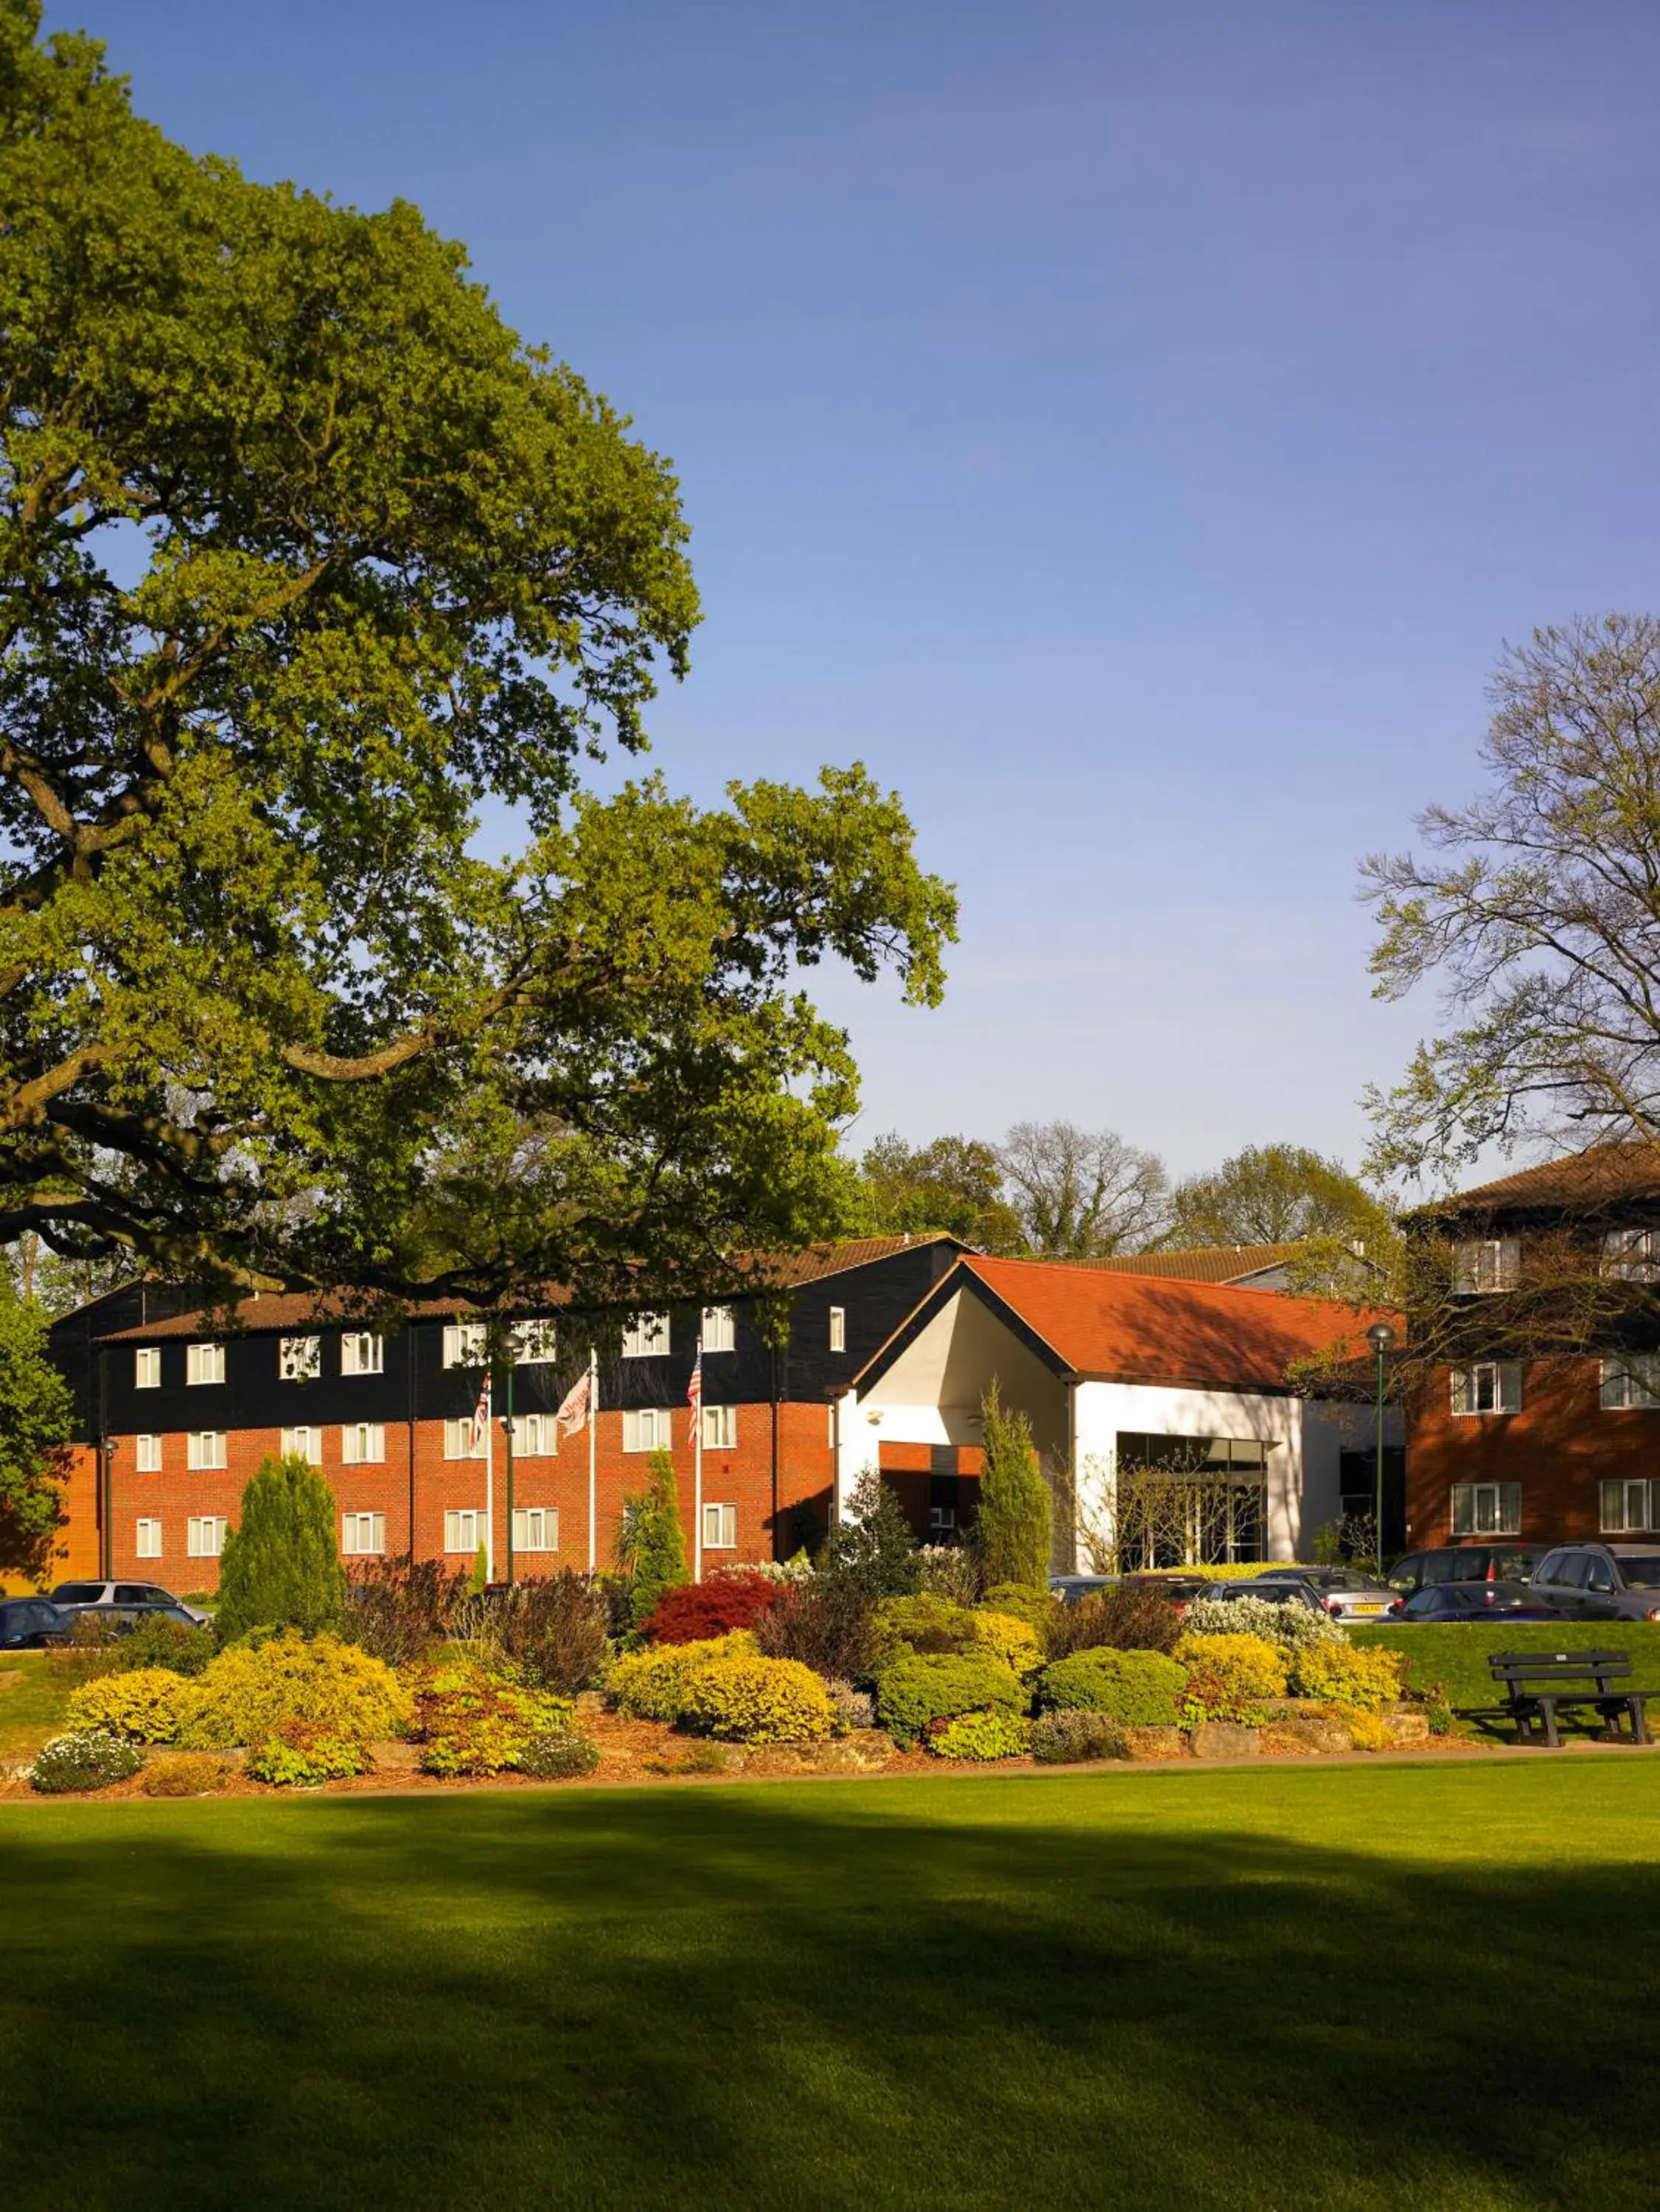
(1457, 1655)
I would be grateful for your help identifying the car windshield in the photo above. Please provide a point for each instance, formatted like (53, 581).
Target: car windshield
(1357, 1583)
(1642, 1574)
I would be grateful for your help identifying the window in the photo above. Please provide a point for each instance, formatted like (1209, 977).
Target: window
(1487, 1509)
(720, 1527)
(720, 1329)
(299, 1358)
(720, 1428)
(1492, 1385)
(148, 1542)
(459, 1440)
(362, 1353)
(303, 1444)
(535, 1343)
(646, 1429)
(147, 1368)
(1490, 1263)
(1630, 1508)
(942, 1521)
(535, 1436)
(1633, 1253)
(363, 1443)
(149, 1454)
(465, 1343)
(463, 1532)
(1631, 1379)
(205, 1536)
(205, 1447)
(838, 1328)
(363, 1536)
(645, 1336)
(205, 1363)
(535, 1529)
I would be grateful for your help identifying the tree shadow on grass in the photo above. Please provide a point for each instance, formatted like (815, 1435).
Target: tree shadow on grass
(1043, 1994)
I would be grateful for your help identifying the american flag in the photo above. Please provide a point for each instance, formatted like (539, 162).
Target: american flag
(574, 1411)
(695, 1393)
(476, 1435)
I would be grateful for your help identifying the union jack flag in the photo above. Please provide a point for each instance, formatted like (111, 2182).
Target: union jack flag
(695, 1394)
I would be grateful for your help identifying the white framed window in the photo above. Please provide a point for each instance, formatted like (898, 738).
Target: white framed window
(464, 1531)
(147, 1540)
(1487, 1509)
(465, 1343)
(535, 1343)
(299, 1358)
(363, 1536)
(459, 1440)
(646, 1336)
(535, 1529)
(941, 1520)
(720, 1329)
(205, 1363)
(1631, 1507)
(362, 1353)
(147, 1367)
(149, 1454)
(303, 1444)
(1633, 1253)
(838, 1328)
(1490, 1385)
(205, 1447)
(720, 1428)
(1631, 1379)
(205, 1536)
(720, 1527)
(1487, 1264)
(645, 1427)
(363, 1443)
(535, 1436)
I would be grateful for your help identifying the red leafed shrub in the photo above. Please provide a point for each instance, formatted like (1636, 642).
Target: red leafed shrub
(697, 1610)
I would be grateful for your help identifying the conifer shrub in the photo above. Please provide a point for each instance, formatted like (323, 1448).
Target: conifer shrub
(1290, 1626)
(1014, 1642)
(1142, 1689)
(185, 1774)
(873, 1548)
(921, 1689)
(252, 1687)
(655, 1684)
(83, 1758)
(1342, 1674)
(281, 1566)
(744, 1698)
(1368, 1731)
(982, 1735)
(696, 1611)
(145, 1706)
(1012, 1528)
(657, 1542)
(1037, 1607)
(1231, 1678)
(926, 1624)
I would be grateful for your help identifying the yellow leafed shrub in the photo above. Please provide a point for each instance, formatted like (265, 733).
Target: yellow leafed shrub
(251, 1689)
(1230, 1677)
(755, 1700)
(145, 1705)
(1367, 1731)
(1001, 1636)
(1365, 1680)
(655, 1685)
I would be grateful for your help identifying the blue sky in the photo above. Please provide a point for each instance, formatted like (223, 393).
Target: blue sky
(1131, 429)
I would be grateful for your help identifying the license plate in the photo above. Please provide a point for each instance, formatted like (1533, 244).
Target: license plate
(1366, 1608)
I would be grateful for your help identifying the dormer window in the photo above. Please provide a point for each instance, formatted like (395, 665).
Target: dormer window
(299, 1358)
(646, 1336)
(1632, 1254)
(1487, 1264)
(464, 1343)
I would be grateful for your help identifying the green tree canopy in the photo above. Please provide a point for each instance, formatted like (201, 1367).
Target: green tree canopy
(656, 1540)
(954, 1185)
(873, 1549)
(36, 1418)
(1275, 1194)
(281, 1566)
(1013, 1528)
(304, 555)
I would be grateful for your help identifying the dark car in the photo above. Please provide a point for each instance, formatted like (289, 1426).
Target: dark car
(1072, 1589)
(1601, 1582)
(27, 1624)
(1440, 1603)
(1178, 1589)
(1466, 1563)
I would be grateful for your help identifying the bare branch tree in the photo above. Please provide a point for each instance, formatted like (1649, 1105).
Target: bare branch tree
(1082, 1193)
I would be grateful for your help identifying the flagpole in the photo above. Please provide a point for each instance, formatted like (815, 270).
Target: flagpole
(509, 1460)
(489, 1483)
(697, 1478)
(593, 1425)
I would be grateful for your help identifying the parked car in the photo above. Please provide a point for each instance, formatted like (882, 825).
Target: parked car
(1071, 1589)
(1272, 1590)
(27, 1624)
(1345, 1593)
(1440, 1603)
(129, 1599)
(1466, 1563)
(1601, 1582)
(1180, 1589)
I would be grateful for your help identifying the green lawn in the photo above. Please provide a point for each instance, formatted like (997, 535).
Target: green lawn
(31, 1702)
(1457, 1655)
(1245, 1991)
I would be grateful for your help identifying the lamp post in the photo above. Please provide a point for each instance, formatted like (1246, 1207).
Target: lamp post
(1379, 1336)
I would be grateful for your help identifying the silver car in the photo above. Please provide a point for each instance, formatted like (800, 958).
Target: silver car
(1601, 1582)
(1343, 1593)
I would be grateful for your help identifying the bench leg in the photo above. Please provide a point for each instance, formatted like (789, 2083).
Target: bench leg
(1548, 1722)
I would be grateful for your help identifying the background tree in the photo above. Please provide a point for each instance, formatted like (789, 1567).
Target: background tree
(36, 1421)
(304, 553)
(1012, 1528)
(954, 1185)
(281, 1566)
(657, 1540)
(1082, 1193)
(1275, 1194)
(1541, 922)
(873, 1549)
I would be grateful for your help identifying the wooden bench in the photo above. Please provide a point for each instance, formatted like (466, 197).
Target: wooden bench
(1558, 1672)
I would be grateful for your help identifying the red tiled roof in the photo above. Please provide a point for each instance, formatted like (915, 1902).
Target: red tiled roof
(1150, 1328)
(1200, 1263)
(1600, 1176)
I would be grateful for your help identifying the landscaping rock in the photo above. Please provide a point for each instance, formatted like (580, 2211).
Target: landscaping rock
(1225, 1740)
(1156, 1743)
(1304, 1736)
(1408, 1724)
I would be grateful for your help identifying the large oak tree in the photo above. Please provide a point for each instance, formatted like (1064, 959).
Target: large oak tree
(305, 557)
